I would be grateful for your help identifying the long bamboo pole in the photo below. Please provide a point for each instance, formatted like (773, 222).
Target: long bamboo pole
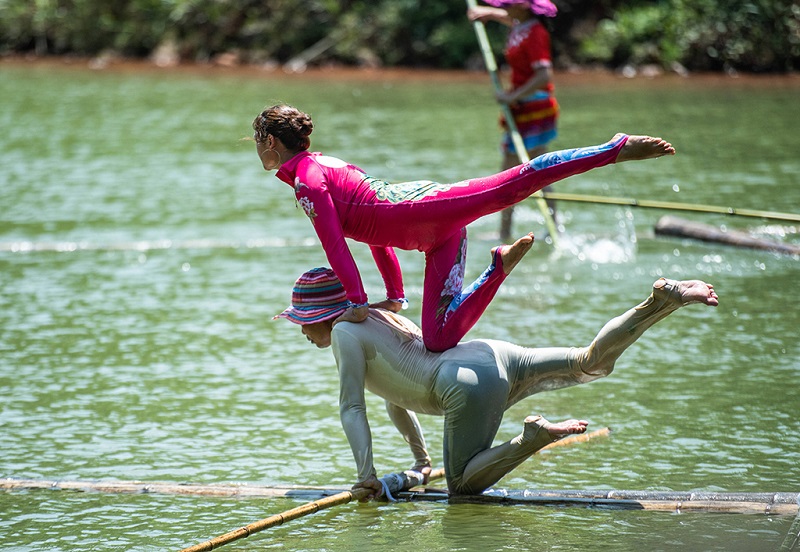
(673, 206)
(309, 508)
(660, 501)
(219, 490)
(278, 519)
(165, 487)
(491, 66)
(581, 438)
(777, 503)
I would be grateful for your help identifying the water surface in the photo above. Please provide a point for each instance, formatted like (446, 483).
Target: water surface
(144, 252)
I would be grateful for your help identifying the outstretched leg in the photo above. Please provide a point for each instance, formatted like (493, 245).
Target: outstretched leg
(450, 311)
(450, 206)
(488, 467)
(533, 370)
(617, 335)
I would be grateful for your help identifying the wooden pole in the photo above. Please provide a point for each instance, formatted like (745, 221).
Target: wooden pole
(309, 508)
(781, 503)
(162, 487)
(673, 206)
(516, 138)
(278, 519)
(660, 501)
(582, 438)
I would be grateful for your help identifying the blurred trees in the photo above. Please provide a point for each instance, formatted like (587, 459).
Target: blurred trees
(747, 35)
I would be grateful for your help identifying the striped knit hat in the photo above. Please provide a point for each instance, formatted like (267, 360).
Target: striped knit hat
(316, 296)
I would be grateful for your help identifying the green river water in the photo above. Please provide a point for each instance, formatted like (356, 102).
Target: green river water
(143, 252)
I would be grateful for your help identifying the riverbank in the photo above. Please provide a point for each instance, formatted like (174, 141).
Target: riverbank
(578, 76)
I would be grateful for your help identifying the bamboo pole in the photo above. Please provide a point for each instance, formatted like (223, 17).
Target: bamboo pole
(733, 503)
(224, 490)
(673, 206)
(309, 508)
(781, 503)
(491, 66)
(582, 438)
(160, 487)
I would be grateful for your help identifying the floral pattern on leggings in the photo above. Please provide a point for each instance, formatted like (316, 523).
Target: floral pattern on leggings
(452, 295)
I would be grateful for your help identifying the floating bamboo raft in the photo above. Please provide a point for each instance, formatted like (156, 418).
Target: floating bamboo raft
(782, 503)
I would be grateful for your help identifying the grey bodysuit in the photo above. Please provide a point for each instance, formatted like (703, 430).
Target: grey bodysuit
(471, 385)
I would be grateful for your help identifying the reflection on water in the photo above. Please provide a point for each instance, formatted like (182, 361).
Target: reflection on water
(144, 252)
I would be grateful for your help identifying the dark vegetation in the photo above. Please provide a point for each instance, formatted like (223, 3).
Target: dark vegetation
(696, 35)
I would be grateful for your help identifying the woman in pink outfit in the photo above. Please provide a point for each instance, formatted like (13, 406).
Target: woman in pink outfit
(342, 201)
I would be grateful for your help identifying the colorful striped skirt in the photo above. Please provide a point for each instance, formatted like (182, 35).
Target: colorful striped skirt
(535, 117)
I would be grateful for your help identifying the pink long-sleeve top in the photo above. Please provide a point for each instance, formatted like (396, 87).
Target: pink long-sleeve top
(338, 199)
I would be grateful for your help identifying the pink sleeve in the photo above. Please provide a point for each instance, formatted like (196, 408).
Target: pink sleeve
(389, 267)
(311, 191)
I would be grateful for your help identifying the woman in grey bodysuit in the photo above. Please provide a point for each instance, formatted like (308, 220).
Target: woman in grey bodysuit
(471, 385)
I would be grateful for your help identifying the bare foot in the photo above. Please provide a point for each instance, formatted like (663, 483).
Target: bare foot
(558, 430)
(687, 291)
(643, 147)
(510, 255)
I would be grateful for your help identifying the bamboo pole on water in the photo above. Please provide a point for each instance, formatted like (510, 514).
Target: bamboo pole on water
(278, 519)
(780, 503)
(673, 206)
(309, 508)
(219, 490)
(581, 438)
(519, 145)
(657, 501)
(163, 487)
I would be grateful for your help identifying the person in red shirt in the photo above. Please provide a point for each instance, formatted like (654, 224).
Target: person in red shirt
(530, 97)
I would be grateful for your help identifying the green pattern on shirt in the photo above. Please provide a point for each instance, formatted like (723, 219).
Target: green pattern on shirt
(406, 191)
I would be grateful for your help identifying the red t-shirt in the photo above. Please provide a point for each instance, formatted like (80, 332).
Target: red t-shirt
(527, 48)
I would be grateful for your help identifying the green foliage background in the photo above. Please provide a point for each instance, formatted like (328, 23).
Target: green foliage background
(745, 35)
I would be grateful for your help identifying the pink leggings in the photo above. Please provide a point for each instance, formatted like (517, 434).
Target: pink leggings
(448, 310)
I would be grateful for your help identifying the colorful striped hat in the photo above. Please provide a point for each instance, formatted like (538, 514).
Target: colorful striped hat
(316, 296)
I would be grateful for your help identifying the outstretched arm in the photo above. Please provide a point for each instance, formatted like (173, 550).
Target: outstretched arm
(352, 407)
(311, 191)
(486, 13)
(409, 427)
(389, 267)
